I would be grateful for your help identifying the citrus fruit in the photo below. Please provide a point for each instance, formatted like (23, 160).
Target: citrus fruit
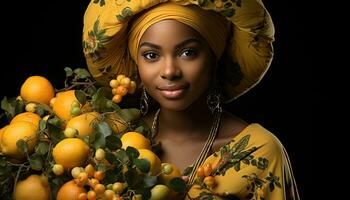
(14, 132)
(166, 178)
(63, 104)
(136, 140)
(37, 89)
(117, 124)
(71, 152)
(27, 117)
(152, 158)
(160, 192)
(69, 191)
(32, 188)
(83, 123)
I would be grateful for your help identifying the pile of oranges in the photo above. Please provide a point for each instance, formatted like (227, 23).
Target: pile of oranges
(58, 127)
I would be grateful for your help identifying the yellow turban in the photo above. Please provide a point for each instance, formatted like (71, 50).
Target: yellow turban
(110, 46)
(213, 27)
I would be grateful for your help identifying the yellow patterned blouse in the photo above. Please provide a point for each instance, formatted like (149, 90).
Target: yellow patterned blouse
(253, 165)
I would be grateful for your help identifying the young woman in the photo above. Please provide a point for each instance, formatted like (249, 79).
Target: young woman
(191, 57)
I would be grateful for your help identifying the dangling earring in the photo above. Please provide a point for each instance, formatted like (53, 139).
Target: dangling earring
(144, 102)
(214, 97)
(214, 101)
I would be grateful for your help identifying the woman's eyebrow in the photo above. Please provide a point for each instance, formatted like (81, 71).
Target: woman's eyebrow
(178, 46)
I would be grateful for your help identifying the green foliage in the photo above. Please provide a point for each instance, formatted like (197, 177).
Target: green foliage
(119, 165)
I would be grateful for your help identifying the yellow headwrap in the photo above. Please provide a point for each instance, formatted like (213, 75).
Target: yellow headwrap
(213, 27)
(110, 48)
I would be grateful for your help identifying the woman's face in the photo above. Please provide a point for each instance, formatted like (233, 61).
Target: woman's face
(175, 64)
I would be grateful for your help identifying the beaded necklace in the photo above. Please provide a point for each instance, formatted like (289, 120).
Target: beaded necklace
(217, 111)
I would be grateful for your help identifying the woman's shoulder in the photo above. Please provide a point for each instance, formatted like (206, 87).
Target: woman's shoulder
(254, 134)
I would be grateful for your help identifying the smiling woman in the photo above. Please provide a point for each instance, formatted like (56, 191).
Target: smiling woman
(191, 57)
(47, 38)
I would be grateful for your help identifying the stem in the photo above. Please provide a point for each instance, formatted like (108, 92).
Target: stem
(17, 175)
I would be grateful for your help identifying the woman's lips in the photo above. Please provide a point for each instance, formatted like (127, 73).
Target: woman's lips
(172, 91)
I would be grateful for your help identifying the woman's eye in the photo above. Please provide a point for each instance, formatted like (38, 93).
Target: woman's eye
(189, 53)
(150, 56)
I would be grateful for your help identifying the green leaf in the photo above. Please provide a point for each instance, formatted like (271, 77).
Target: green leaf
(130, 114)
(111, 158)
(98, 140)
(143, 165)
(149, 181)
(178, 185)
(36, 163)
(111, 177)
(42, 125)
(122, 156)
(80, 95)
(241, 144)
(22, 146)
(42, 148)
(100, 98)
(3, 162)
(131, 177)
(104, 128)
(69, 71)
(82, 73)
(7, 107)
(113, 142)
(40, 110)
(132, 152)
(140, 129)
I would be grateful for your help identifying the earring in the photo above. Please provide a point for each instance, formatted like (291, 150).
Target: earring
(214, 100)
(144, 102)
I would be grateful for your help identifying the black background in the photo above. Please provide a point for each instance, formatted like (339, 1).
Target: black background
(41, 38)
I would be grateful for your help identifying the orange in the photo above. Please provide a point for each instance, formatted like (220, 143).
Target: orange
(63, 104)
(37, 89)
(153, 159)
(70, 191)
(34, 187)
(136, 140)
(166, 178)
(117, 124)
(27, 117)
(83, 123)
(70, 153)
(14, 132)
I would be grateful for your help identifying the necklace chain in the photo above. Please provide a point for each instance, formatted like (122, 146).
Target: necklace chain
(207, 146)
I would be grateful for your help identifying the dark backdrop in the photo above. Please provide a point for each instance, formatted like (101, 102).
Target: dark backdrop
(41, 38)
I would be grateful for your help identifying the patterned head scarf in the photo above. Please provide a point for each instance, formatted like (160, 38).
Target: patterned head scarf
(215, 31)
(245, 57)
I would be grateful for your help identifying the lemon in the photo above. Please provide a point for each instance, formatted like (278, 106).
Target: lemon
(63, 104)
(27, 117)
(71, 152)
(14, 132)
(70, 191)
(37, 89)
(136, 140)
(34, 187)
(83, 123)
(153, 159)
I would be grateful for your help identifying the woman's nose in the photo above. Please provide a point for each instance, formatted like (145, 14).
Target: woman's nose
(171, 70)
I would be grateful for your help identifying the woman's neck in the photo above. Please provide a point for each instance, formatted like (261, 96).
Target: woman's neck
(192, 121)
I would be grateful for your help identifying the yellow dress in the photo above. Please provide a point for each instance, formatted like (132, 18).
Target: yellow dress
(253, 165)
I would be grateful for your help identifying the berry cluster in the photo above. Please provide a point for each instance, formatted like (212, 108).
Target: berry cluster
(121, 86)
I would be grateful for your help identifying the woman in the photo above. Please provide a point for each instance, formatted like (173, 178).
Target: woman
(191, 57)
